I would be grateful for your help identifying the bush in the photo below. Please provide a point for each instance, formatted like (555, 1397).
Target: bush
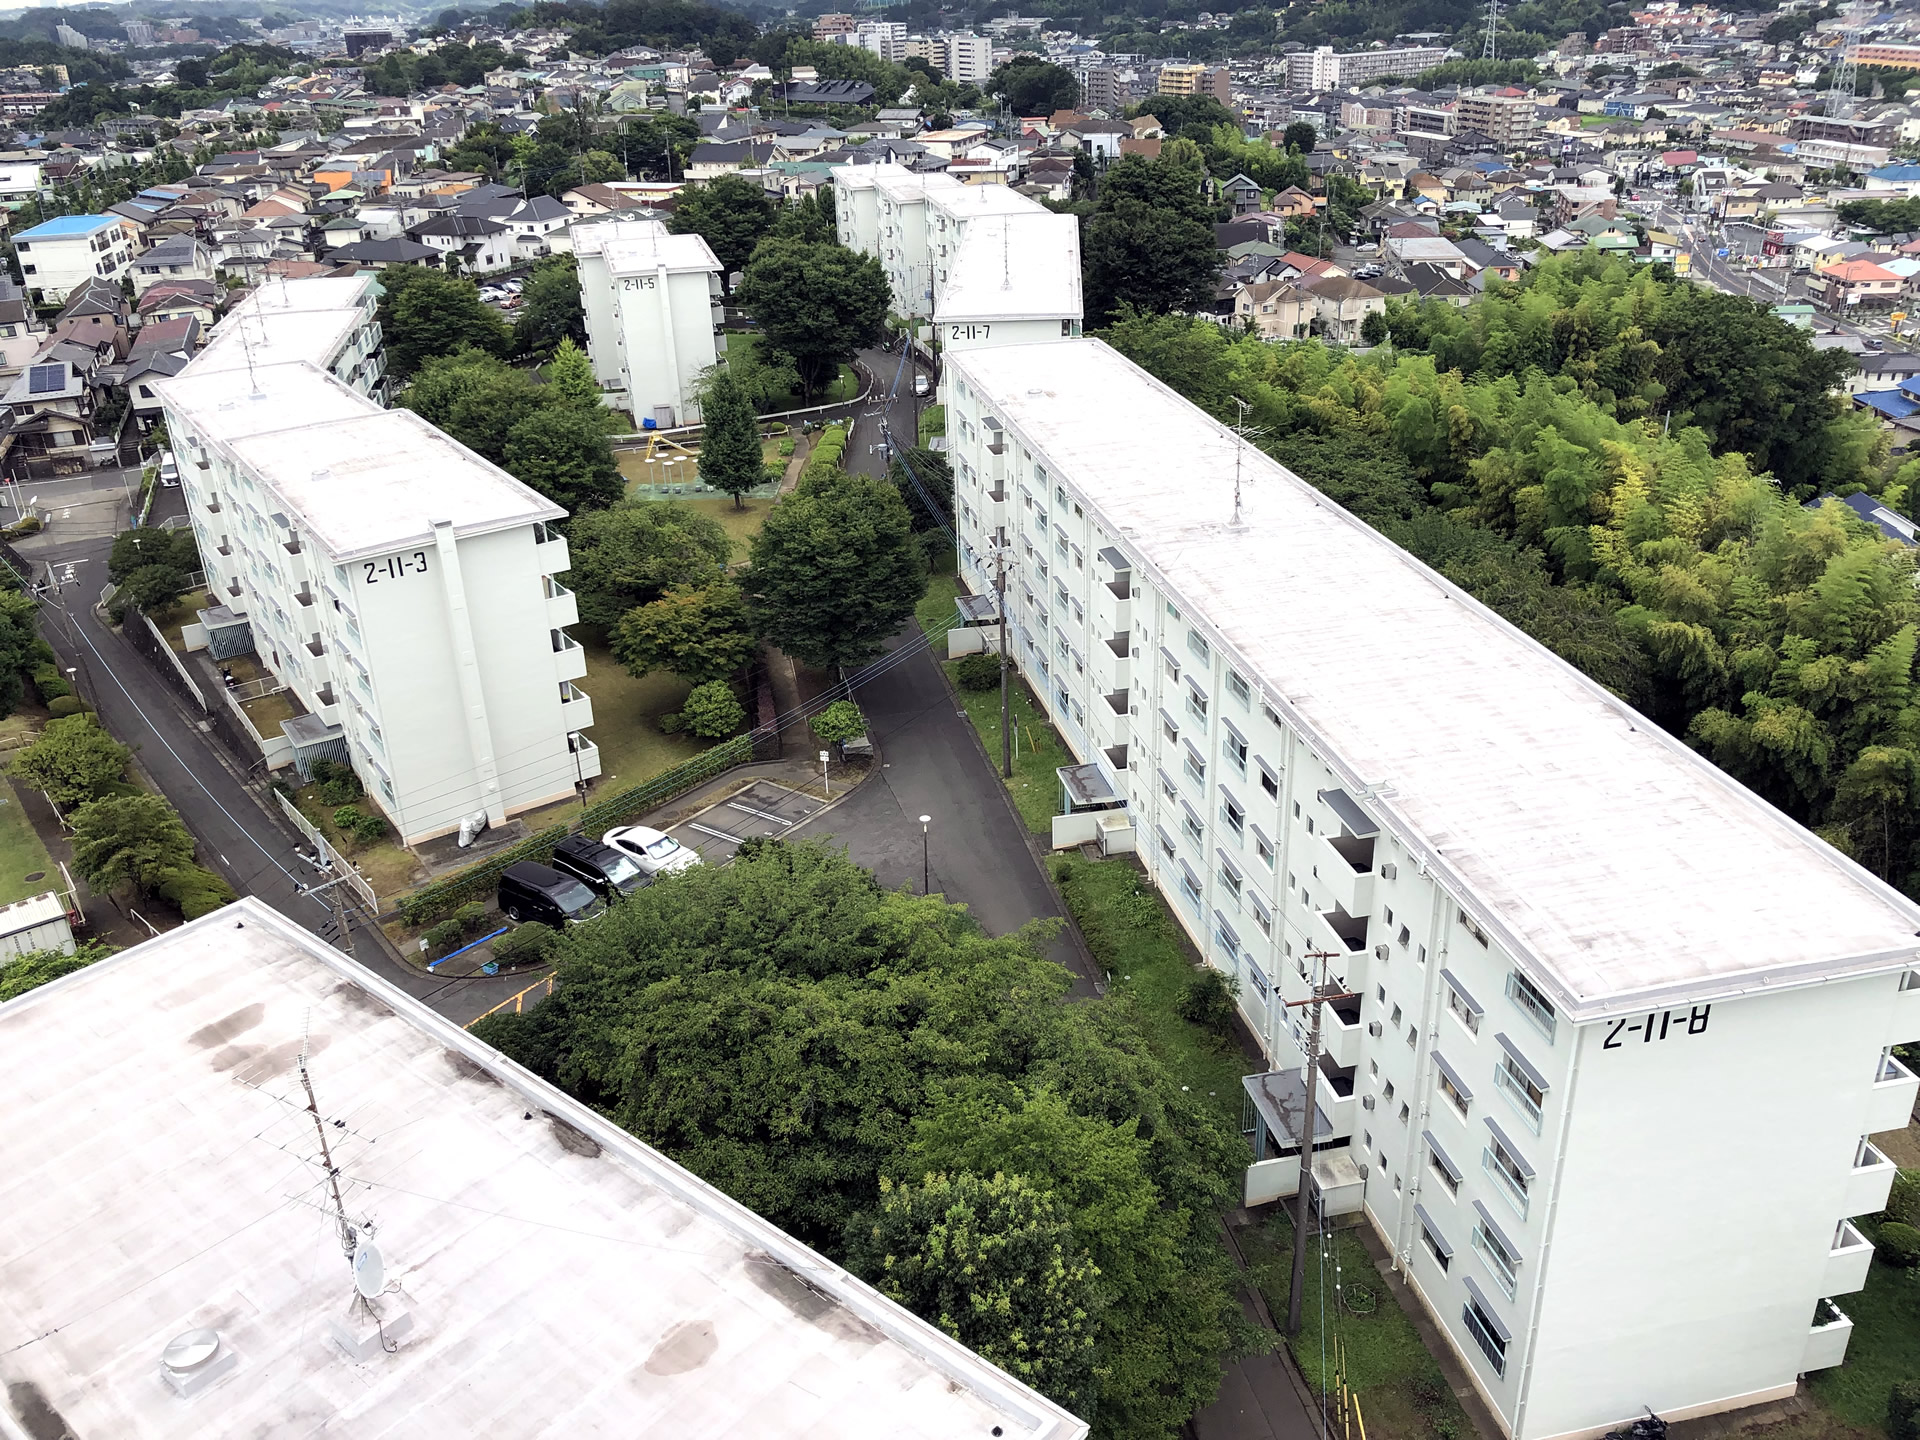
(1898, 1245)
(345, 818)
(1208, 1000)
(673, 723)
(49, 683)
(339, 792)
(712, 712)
(1903, 1198)
(444, 938)
(526, 944)
(839, 723)
(368, 828)
(471, 917)
(62, 706)
(194, 891)
(978, 671)
(1903, 1410)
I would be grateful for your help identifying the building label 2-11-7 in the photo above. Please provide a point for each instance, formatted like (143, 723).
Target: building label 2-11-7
(1658, 1027)
(395, 567)
(970, 332)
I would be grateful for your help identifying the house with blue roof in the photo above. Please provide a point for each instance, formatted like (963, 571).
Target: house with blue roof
(58, 256)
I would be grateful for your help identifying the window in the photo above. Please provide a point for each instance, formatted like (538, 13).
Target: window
(1166, 843)
(1169, 729)
(1462, 1006)
(1515, 1078)
(1196, 767)
(1263, 847)
(1471, 928)
(1449, 1083)
(1224, 936)
(1272, 719)
(1190, 886)
(1261, 917)
(1269, 781)
(1237, 687)
(1503, 1161)
(1231, 812)
(1196, 702)
(1387, 1094)
(1166, 787)
(1487, 1331)
(1234, 745)
(1444, 1170)
(1503, 1259)
(1527, 997)
(1190, 822)
(1395, 1021)
(1436, 1244)
(1197, 647)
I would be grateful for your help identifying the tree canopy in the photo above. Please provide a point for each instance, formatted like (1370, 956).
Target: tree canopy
(1149, 244)
(731, 213)
(797, 1036)
(633, 552)
(818, 303)
(1033, 86)
(426, 313)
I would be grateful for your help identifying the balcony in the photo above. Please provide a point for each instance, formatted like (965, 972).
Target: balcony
(316, 646)
(1826, 1338)
(562, 608)
(1847, 1262)
(570, 660)
(586, 756)
(1339, 930)
(213, 504)
(1116, 701)
(225, 547)
(1869, 1182)
(1345, 866)
(304, 595)
(576, 707)
(1340, 1032)
(1336, 1096)
(1891, 1099)
(552, 545)
(1116, 756)
(292, 545)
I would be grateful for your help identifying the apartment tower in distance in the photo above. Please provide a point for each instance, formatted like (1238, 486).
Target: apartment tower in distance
(1606, 1034)
(401, 586)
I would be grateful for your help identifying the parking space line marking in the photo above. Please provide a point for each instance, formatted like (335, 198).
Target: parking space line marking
(757, 814)
(716, 834)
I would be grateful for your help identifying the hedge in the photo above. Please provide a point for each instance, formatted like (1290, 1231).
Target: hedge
(435, 900)
(827, 451)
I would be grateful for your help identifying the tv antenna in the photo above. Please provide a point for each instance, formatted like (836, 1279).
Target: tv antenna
(1243, 433)
(348, 1236)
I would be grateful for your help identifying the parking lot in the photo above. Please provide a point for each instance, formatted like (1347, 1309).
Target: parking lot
(763, 808)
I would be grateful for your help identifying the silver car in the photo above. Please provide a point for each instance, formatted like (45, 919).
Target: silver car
(654, 851)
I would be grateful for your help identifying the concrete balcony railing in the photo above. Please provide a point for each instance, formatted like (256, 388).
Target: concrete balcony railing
(1340, 1032)
(1826, 1338)
(569, 658)
(1344, 866)
(1337, 1098)
(1869, 1182)
(1340, 931)
(1847, 1262)
(1890, 1105)
(586, 756)
(562, 608)
(576, 707)
(552, 550)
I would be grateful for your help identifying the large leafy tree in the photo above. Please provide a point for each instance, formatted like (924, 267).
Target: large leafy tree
(731, 213)
(563, 452)
(476, 399)
(19, 642)
(633, 552)
(1149, 242)
(427, 313)
(655, 146)
(817, 303)
(72, 761)
(1034, 86)
(699, 633)
(132, 840)
(796, 1035)
(730, 456)
(836, 569)
(550, 308)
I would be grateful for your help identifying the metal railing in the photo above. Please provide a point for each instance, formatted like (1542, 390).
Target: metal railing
(330, 858)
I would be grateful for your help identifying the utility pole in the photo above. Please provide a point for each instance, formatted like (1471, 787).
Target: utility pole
(1000, 599)
(338, 900)
(1309, 1121)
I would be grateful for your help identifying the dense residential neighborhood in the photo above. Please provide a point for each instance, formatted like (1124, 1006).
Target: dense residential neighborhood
(1122, 723)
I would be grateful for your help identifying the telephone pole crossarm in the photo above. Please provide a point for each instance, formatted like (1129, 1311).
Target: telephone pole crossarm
(1321, 994)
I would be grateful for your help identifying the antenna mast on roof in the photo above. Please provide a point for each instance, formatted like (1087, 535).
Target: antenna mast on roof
(1006, 259)
(1846, 70)
(246, 349)
(348, 1236)
(1244, 432)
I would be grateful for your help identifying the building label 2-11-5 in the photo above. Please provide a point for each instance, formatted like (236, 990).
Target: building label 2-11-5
(395, 567)
(1657, 1027)
(639, 282)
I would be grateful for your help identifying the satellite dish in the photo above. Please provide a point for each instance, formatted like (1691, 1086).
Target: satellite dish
(369, 1271)
(190, 1350)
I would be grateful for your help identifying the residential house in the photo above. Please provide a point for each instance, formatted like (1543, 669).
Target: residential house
(52, 403)
(57, 256)
(22, 331)
(199, 300)
(1854, 284)
(467, 243)
(179, 258)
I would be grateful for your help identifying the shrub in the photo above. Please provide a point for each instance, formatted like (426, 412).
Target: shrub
(1903, 1197)
(1208, 1001)
(368, 828)
(673, 723)
(49, 682)
(340, 792)
(444, 938)
(712, 712)
(786, 449)
(1429, 1392)
(978, 671)
(839, 723)
(194, 891)
(1903, 1410)
(1899, 1245)
(344, 819)
(526, 944)
(64, 705)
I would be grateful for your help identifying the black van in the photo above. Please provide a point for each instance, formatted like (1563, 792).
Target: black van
(535, 892)
(601, 868)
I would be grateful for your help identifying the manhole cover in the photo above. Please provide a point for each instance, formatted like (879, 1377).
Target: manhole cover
(38, 875)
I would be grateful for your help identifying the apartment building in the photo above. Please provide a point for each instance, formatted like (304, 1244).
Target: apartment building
(1321, 69)
(969, 59)
(57, 256)
(988, 265)
(1605, 1035)
(653, 305)
(399, 585)
(1210, 80)
(1506, 119)
(885, 38)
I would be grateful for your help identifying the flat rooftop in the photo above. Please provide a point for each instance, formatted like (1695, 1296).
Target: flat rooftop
(1015, 266)
(631, 246)
(1622, 865)
(557, 1277)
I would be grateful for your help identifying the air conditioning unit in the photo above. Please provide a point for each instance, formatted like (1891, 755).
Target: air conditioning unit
(1388, 870)
(1366, 1103)
(1380, 952)
(1373, 1028)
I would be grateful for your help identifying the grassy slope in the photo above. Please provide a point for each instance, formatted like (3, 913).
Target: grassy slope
(21, 853)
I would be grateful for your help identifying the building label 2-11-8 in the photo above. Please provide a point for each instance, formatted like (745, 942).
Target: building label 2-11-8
(395, 567)
(1657, 1027)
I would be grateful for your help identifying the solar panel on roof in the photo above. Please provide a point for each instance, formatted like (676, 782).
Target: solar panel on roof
(44, 378)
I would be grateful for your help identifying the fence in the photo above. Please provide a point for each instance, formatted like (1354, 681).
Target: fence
(151, 646)
(330, 858)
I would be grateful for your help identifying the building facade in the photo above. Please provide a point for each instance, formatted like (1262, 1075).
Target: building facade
(969, 59)
(653, 305)
(1570, 972)
(1210, 80)
(399, 585)
(1322, 69)
(57, 256)
(1506, 119)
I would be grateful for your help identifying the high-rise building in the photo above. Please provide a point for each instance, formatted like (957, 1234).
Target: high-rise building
(1575, 981)
(1101, 88)
(1322, 69)
(969, 59)
(139, 33)
(1505, 119)
(653, 307)
(831, 27)
(66, 35)
(397, 584)
(885, 38)
(1210, 80)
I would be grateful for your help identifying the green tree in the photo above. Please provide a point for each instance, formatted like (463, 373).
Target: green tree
(1154, 260)
(569, 377)
(1300, 138)
(838, 723)
(995, 1264)
(145, 545)
(19, 642)
(1373, 329)
(763, 374)
(41, 967)
(809, 219)
(730, 457)
(696, 632)
(731, 213)
(712, 712)
(550, 308)
(426, 314)
(72, 761)
(835, 570)
(633, 552)
(132, 840)
(816, 303)
(1903, 1400)
(1032, 86)
(477, 399)
(564, 453)
(151, 588)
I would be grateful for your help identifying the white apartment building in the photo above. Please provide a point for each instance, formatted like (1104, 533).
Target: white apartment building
(398, 584)
(57, 256)
(1607, 1035)
(653, 303)
(988, 265)
(1322, 69)
(969, 59)
(885, 38)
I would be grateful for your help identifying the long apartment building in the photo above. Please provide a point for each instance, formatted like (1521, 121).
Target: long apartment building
(1322, 69)
(653, 309)
(401, 586)
(1606, 1035)
(988, 265)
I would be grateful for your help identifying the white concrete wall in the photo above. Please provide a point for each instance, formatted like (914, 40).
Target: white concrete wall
(61, 265)
(980, 334)
(665, 339)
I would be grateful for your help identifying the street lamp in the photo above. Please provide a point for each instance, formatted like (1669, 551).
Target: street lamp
(73, 682)
(926, 868)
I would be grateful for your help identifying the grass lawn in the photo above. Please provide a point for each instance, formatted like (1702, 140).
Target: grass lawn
(1037, 751)
(741, 523)
(1884, 1347)
(933, 421)
(1402, 1394)
(269, 712)
(937, 608)
(845, 385)
(21, 853)
(626, 721)
(645, 478)
(388, 868)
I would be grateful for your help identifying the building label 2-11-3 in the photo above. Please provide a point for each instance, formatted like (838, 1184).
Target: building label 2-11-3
(395, 567)
(1658, 1027)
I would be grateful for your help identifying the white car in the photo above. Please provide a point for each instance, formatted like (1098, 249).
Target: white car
(655, 852)
(169, 470)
